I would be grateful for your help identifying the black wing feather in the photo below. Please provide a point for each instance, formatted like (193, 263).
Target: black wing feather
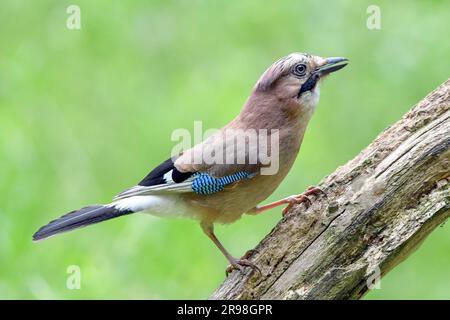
(156, 176)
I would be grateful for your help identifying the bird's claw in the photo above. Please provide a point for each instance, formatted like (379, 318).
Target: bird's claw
(312, 190)
(238, 264)
(302, 198)
(249, 253)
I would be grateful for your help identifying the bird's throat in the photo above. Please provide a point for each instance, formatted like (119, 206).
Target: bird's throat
(309, 84)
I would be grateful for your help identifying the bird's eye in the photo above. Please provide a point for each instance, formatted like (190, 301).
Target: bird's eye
(300, 70)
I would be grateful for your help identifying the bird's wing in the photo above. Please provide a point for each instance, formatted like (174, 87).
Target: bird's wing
(201, 169)
(167, 178)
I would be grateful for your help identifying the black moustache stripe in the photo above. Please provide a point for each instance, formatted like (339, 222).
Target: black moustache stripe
(309, 84)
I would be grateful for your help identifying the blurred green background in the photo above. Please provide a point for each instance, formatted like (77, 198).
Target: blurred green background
(86, 113)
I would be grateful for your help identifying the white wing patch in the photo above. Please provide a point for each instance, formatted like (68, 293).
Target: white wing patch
(168, 177)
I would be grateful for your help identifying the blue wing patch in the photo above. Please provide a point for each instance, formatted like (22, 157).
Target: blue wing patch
(205, 184)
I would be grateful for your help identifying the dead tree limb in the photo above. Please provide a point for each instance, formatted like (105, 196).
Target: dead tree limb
(380, 206)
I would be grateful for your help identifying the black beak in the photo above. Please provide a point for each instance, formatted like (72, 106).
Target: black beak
(332, 64)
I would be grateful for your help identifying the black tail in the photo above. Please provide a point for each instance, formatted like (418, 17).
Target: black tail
(78, 219)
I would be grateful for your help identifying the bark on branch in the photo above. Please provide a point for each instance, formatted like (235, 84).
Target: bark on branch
(380, 206)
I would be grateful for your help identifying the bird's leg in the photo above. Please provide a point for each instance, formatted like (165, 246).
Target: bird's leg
(290, 201)
(235, 264)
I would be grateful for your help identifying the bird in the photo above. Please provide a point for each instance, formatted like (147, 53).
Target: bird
(281, 105)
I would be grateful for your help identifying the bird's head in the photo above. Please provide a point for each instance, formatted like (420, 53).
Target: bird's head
(296, 77)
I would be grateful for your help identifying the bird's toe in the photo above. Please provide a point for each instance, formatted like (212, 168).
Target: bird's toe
(239, 264)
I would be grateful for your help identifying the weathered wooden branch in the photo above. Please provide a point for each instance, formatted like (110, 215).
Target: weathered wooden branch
(379, 207)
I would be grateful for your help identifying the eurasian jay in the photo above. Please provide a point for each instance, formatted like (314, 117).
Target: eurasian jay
(282, 103)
